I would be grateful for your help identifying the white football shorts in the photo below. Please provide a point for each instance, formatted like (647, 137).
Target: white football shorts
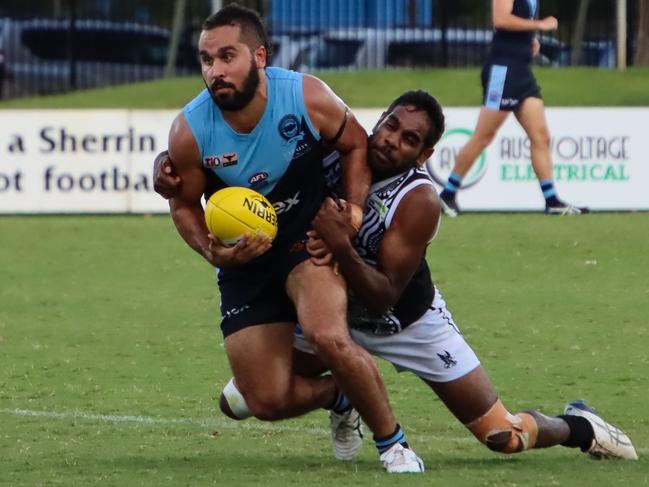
(432, 347)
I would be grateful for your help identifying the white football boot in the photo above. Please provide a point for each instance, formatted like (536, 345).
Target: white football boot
(565, 209)
(346, 434)
(609, 441)
(401, 460)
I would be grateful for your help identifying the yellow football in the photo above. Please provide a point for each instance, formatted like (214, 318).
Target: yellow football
(231, 212)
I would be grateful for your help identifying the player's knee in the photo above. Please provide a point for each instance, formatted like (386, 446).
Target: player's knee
(268, 404)
(328, 344)
(503, 432)
(540, 138)
(268, 407)
(232, 403)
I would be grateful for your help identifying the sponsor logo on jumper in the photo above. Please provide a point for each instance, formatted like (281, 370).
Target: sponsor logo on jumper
(302, 147)
(229, 159)
(375, 203)
(211, 161)
(285, 205)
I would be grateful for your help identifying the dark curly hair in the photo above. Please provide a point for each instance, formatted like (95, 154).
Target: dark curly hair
(422, 100)
(253, 32)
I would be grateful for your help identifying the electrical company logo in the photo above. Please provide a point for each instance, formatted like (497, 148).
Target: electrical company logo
(441, 163)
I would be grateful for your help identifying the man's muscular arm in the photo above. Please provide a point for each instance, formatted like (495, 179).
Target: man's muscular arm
(413, 225)
(327, 113)
(186, 209)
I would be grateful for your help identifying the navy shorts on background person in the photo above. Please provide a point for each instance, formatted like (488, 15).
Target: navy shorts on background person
(255, 293)
(504, 87)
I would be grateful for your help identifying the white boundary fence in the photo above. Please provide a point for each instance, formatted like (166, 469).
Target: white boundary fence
(99, 161)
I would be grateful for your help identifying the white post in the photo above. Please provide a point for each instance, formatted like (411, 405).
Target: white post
(621, 34)
(217, 5)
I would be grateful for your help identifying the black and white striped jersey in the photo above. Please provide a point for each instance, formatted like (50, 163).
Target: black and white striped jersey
(382, 204)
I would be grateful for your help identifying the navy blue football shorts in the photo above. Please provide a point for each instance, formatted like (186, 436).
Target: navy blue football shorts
(255, 293)
(504, 87)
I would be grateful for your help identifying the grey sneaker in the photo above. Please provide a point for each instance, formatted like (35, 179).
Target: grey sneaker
(346, 434)
(401, 460)
(609, 441)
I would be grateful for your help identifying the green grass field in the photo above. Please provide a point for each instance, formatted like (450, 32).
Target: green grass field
(453, 87)
(112, 356)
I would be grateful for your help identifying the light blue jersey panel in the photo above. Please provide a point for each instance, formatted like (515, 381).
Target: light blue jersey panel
(259, 159)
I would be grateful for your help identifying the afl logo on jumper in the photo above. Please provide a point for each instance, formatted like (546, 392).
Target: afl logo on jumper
(289, 127)
(258, 179)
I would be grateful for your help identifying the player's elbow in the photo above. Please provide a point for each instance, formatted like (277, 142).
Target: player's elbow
(176, 207)
(500, 20)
